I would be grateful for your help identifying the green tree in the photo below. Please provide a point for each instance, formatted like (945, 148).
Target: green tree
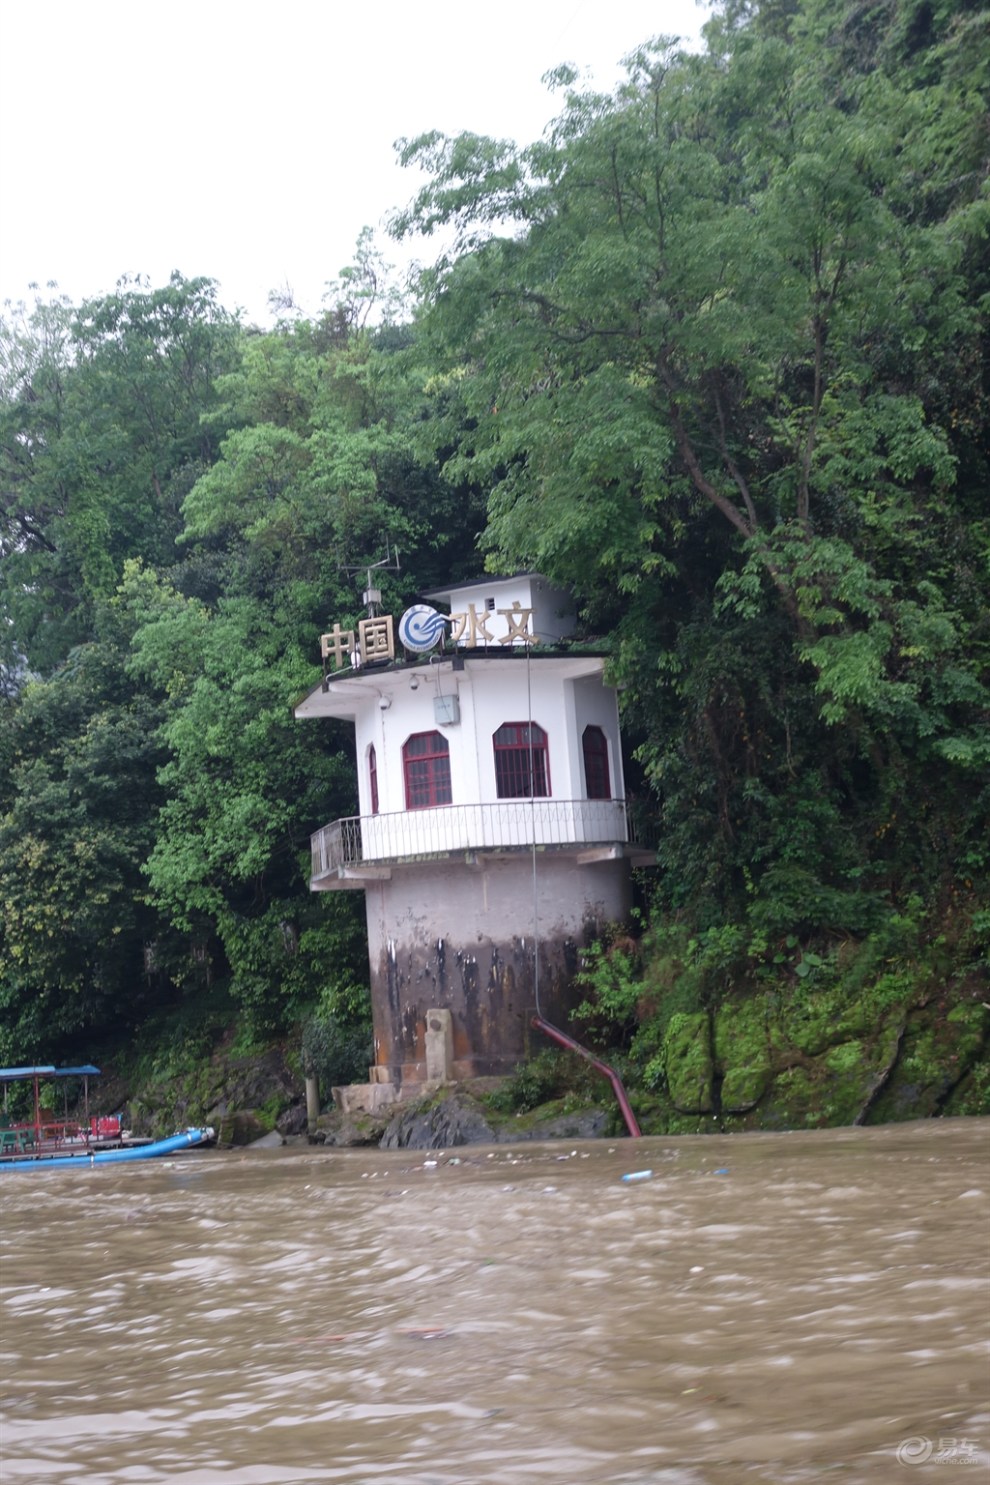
(322, 469)
(244, 786)
(717, 354)
(78, 800)
(102, 433)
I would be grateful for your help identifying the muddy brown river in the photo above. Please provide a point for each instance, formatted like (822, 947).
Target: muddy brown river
(771, 1308)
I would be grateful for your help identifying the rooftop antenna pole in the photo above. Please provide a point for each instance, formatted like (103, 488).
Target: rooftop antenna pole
(372, 596)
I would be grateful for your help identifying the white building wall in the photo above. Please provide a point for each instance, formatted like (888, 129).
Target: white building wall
(553, 614)
(505, 697)
(595, 705)
(488, 695)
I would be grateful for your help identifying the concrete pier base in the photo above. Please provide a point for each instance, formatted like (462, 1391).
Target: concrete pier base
(472, 950)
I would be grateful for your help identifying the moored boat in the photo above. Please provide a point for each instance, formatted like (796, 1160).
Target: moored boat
(48, 1141)
(95, 1156)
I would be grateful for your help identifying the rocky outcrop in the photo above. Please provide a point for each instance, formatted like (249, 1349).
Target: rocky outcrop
(242, 1097)
(821, 1057)
(453, 1119)
(458, 1115)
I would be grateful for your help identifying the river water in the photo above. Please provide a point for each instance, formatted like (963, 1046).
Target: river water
(777, 1308)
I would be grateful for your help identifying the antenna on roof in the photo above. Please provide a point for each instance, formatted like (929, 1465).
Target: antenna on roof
(372, 595)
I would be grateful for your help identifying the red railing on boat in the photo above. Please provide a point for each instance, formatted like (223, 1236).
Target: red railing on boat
(44, 1133)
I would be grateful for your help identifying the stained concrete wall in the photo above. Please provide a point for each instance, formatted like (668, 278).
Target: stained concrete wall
(462, 938)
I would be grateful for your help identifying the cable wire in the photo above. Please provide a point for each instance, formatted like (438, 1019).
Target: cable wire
(532, 831)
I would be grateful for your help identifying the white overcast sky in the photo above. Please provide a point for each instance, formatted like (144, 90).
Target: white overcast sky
(252, 141)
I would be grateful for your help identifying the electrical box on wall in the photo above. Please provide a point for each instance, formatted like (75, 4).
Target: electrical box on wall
(446, 710)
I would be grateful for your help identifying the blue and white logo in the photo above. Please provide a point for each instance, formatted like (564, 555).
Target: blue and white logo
(421, 628)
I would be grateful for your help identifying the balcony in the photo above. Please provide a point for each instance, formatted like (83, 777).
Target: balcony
(366, 847)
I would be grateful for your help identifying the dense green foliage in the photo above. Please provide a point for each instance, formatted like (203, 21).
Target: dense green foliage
(726, 380)
(713, 354)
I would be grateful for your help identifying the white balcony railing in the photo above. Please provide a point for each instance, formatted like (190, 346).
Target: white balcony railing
(507, 824)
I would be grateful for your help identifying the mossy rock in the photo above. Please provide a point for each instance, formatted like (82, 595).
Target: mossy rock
(970, 1025)
(575, 1124)
(658, 1116)
(337, 1129)
(242, 1128)
(808, 1023)
(939, 1053)
(794, 1102)
(688, 1061)
(851, 1071)
(971, 1095)
(743, 1087)
(883, 1004)
(742, 1053)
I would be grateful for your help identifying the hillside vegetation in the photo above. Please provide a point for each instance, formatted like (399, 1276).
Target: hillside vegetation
(713, 354)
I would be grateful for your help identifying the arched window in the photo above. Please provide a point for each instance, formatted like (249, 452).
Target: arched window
(522, 768)
(596, 780)
(373, 778)
(426, 764)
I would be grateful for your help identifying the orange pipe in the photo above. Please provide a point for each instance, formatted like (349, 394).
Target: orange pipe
(556, 1035)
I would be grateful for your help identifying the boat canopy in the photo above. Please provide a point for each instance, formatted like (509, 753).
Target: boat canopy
(17, 1074)
(41, 1072)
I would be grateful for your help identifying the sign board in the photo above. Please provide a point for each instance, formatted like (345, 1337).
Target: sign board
(422, 629)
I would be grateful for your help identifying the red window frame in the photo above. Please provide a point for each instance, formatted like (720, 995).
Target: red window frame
(426, 770)
(373, 778)
(521, 750)
(594, 746)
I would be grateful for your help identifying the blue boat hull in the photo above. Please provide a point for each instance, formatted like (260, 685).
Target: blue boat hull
(169, 1146)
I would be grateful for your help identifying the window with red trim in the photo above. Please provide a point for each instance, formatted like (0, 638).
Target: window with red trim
(522, 768)
(373, 778)
(426, 765)
(596, 779)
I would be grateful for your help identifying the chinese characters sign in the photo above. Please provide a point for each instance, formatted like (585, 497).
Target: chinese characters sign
(374, 638)
(375, 641)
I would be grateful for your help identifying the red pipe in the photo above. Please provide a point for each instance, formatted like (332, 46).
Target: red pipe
(556, 1035)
